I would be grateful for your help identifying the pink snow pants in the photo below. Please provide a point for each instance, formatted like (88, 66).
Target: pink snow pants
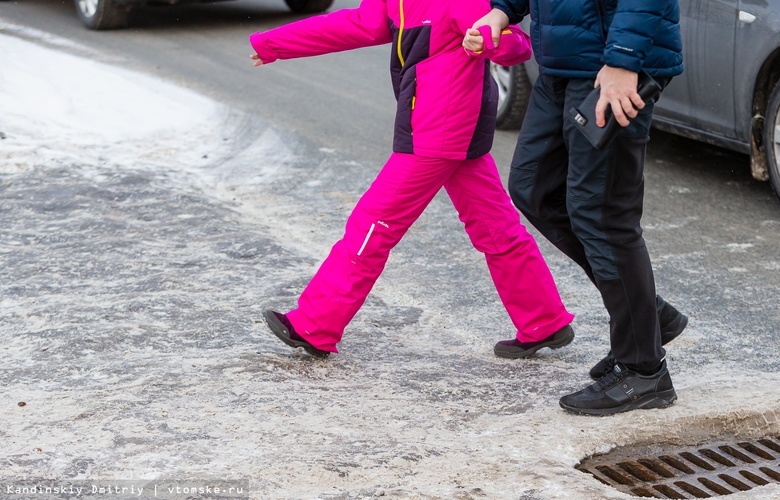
(397, 197)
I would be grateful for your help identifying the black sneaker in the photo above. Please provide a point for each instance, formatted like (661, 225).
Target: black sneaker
(672, 321)
(623, 390)
(281, 327)
(515, 349)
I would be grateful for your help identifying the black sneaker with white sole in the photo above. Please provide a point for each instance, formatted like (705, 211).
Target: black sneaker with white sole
(622, 390)
(672, 322)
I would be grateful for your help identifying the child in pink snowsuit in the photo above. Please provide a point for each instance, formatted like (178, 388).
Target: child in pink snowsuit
(444, 127)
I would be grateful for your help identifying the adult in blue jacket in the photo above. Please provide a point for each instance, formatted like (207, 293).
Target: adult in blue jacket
(588, 202)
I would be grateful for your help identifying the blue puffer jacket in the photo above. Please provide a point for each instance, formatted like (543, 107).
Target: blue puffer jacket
(575, 38)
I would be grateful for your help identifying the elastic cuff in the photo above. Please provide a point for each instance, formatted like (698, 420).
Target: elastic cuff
(293, 318)
(542, 332)
(260, 45)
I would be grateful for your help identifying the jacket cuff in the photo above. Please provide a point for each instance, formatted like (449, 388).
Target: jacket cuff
(260, 44)
(621, 58)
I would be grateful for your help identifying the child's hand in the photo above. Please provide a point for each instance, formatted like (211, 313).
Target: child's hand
(257, 60)
(473, 41)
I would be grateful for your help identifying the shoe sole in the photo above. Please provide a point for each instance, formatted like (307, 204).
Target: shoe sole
(514, 354)
(283, 334)
(647, 402)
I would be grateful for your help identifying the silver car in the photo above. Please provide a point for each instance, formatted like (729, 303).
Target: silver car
(111, 14)
(729, 94)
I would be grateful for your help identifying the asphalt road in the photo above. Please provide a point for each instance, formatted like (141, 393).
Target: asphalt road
(713, 233)
(343, 101)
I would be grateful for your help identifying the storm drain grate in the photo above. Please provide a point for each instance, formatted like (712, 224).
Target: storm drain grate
(702, 471)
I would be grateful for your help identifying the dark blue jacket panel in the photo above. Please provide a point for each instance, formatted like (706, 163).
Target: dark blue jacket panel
(575, 38)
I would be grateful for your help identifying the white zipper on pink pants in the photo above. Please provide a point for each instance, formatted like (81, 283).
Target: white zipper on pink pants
(365, 242)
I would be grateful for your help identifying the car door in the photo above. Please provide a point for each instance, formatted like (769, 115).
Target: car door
(703, 96)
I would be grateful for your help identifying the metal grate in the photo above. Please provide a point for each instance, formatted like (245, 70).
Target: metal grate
(702, 471)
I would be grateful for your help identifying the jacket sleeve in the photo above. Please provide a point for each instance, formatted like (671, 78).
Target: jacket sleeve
(515, 9)
(337, 31)
(514, 46)
(631, 33)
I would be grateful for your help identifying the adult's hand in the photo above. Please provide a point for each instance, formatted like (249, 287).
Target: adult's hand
(618, 90)
(496, 19)
(256, 59)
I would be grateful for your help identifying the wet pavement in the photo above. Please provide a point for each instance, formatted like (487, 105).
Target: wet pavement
(133, 354)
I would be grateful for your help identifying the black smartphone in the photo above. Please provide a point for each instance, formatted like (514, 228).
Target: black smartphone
(584, 115)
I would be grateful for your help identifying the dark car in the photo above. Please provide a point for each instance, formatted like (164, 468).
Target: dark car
(729, 94)
(111, 14)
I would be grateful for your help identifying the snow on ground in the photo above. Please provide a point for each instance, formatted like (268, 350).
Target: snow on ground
(136, 245)
(61, 107)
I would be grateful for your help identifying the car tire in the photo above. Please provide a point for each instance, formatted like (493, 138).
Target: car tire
(102, 14)
(308, 6)
(772, 139)
(514, 89)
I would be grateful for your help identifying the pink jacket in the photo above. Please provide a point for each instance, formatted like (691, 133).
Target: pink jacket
(446, 96)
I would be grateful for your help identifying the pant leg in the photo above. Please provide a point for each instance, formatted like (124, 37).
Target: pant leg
(537, 179)
(521, 276)
(538, 187)
(396, 198)
(605, 196)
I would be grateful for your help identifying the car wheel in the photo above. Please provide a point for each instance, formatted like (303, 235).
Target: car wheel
(514, 89)
(102, 14)
(772, 139)
(308, 6)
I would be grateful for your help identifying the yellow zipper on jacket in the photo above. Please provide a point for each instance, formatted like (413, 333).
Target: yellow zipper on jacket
(400, 32)
(398, 49)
